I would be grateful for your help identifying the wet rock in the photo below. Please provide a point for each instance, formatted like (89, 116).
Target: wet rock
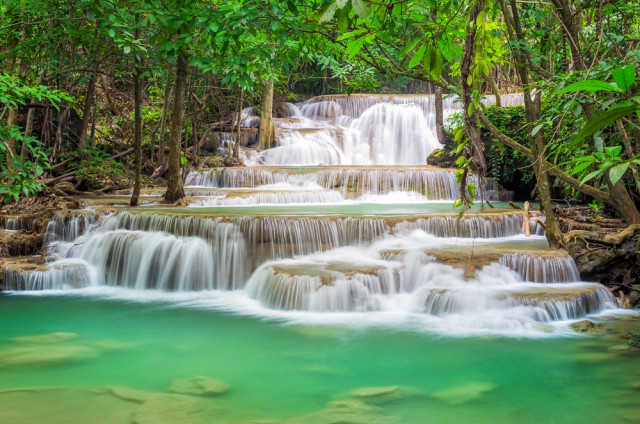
(45, 355)
(199, 385)
(379, 395)
(465, 393)
(586, 326)
(368, 392)
(45, 338)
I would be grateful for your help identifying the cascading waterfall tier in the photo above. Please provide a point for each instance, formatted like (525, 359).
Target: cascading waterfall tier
(361, 130)
(314, 236)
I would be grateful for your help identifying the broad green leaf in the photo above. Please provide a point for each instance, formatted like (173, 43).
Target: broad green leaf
(536, 129)
(625, 77)
(417, 57)
(459, 134)
(614, 151)
(327, 15)
(581, 167)
(437, 67)
(361, 8)
(341, 3)
(461, 161)
(617, 172)
(589, 85)
(480, 19)
(457, 203)
(604, 120)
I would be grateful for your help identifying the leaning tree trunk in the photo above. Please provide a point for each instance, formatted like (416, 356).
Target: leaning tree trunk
(267, 129)
(175, 188)
(137, 137)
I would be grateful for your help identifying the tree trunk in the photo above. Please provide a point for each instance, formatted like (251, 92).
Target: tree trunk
(439, 116)
(236, 150)
(175, 189)
(28, 128)
(168, 92)
(86, 111)
(470, 120)
(137, 137)
(266, 133)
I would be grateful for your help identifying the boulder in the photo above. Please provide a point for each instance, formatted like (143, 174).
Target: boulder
(586, 326)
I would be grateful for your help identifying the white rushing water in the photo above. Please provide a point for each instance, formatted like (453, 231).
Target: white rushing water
(420, 269)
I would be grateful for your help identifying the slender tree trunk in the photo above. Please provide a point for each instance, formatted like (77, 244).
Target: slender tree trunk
(137, 137)
(86, 111)
(28, 128)
(496, 91)
(439, 116)
(168, 92)
(266, 133)
(175, 188)
(236, 150)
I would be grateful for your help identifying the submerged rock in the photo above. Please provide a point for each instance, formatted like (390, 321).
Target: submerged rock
(45, 338)
(39, 356)
(624, 349)
(368, 392)
(345, 412)
(199, 385)
(465, 393)
(586, 326)
(385, 394)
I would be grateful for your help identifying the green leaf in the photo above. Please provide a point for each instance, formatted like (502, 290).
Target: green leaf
(625, 77)
(361, 8)
(351, 34)
(459, 133)
(417, 57)
(617, 172)
(590, 176)
(457, 203)
(327, 15)
(589, 85)
(111, 32)
(536, 129)
(581, 167)
(127, 50)
(604, 120)
(437, 66)
(461, 161)
(614, 151)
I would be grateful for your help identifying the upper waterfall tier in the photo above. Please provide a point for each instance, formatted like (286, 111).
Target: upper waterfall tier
(362, 129)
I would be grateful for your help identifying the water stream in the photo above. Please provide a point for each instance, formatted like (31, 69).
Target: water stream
(329, 282)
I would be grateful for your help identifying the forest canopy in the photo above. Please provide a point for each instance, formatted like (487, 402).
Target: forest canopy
(85, 83)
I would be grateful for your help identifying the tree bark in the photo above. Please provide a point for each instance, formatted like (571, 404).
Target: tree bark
(137, 137)
(175, 188)
(439, 116)
(28, 128)
(470, 120)
(266, 133)
(86, 111)
(236, 150)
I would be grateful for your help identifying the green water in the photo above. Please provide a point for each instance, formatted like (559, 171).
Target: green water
(279, 372)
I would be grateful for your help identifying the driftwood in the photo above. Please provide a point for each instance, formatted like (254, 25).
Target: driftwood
(607, 238)
(513, 205)
(490, 205)
(527, 227)
(161, 169)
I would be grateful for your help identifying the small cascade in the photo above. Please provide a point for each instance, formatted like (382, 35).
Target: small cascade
(503, 225)
(280, 237)
(434, 184)
(320, 283)
(66, 227)
(64, 274)
(542, 269)
(565, 302)
(315, 196)
(304, 148)
(15, 224)
(148, 260)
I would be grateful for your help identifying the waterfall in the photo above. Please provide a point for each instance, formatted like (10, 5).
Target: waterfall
(542, 269)
(343, 216)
